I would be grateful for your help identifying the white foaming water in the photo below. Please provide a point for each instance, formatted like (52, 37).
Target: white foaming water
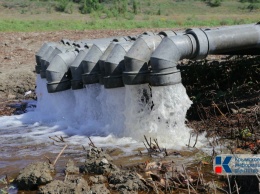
(112, 103)
(161, 117)
(112, 117)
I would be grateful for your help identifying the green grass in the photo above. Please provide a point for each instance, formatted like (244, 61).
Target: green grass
(37, 25)
(32, 15)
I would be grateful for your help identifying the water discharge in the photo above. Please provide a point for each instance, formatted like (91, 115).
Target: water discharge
(117, 117)
(158, 112)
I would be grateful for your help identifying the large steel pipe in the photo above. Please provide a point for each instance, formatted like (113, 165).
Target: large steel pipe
(77, 70)
(107, 52)
(40, 54)
(90, 63)
(49, 56)
(197, 44)
(137, 58)
(114, 65)
(58, 74)
(92, 66)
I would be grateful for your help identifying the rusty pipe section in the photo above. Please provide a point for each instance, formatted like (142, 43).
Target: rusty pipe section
(197, 44)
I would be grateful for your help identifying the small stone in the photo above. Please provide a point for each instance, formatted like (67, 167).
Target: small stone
(34, 175)
(99, 188)
(71, 168)
(98, 179)
(76, 185)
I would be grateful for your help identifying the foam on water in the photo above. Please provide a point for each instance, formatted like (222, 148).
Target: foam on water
(162, 116)
(112, 103)
(112, 117)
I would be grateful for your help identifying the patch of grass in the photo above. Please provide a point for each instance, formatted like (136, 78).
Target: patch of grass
(119, 15)
(38, 25)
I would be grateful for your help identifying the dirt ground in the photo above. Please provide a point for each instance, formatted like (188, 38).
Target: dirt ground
(17, 56)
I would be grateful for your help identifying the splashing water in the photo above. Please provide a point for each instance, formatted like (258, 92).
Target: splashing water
(161, 117)
(113, 117)
(112, 103)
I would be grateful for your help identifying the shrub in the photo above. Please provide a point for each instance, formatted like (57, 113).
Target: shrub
(61, 5)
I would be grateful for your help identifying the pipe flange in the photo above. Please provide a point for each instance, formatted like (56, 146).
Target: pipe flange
(165, 78)
(135, 78)
(90, 78)
(202, 42)
(58, 86)
(113, 81)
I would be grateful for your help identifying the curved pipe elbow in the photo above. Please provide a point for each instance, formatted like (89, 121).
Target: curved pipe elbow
(58, 74)
(114, 65)
(165, 58)
(40, 54)
(76, 70)
(49, 56)
(90, 63)
(137, 59)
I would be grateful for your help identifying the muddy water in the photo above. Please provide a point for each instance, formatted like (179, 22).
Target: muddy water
(21, 156)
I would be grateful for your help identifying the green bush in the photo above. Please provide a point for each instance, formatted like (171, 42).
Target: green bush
(61, 5)
(213, 3)
(88, 6)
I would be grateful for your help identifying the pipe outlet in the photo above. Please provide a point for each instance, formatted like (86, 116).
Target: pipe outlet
(137, 59)
(77, 70)
(165, 58)
(90, 63)
(46, 62)
(40, 54)
(58, 74)
(103, 58)
(114, 65)
(46, 56)
(102, 61)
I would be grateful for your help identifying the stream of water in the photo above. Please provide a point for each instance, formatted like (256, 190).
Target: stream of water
(116, 118)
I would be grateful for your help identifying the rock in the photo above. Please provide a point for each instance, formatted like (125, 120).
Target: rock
(99, 188)
(98, 163)
(96, 166)
(98, 179)
(34, 175)
(98, 153)
(71, 168)
(126, 181)
(71, 185)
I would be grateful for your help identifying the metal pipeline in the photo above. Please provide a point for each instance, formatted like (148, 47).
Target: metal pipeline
(107, 52)
(91, 65)
(114, 65)
(77, 70)
(40, 54)
(137, 66)
(50, 54)
(197, 44)
(58, 74)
